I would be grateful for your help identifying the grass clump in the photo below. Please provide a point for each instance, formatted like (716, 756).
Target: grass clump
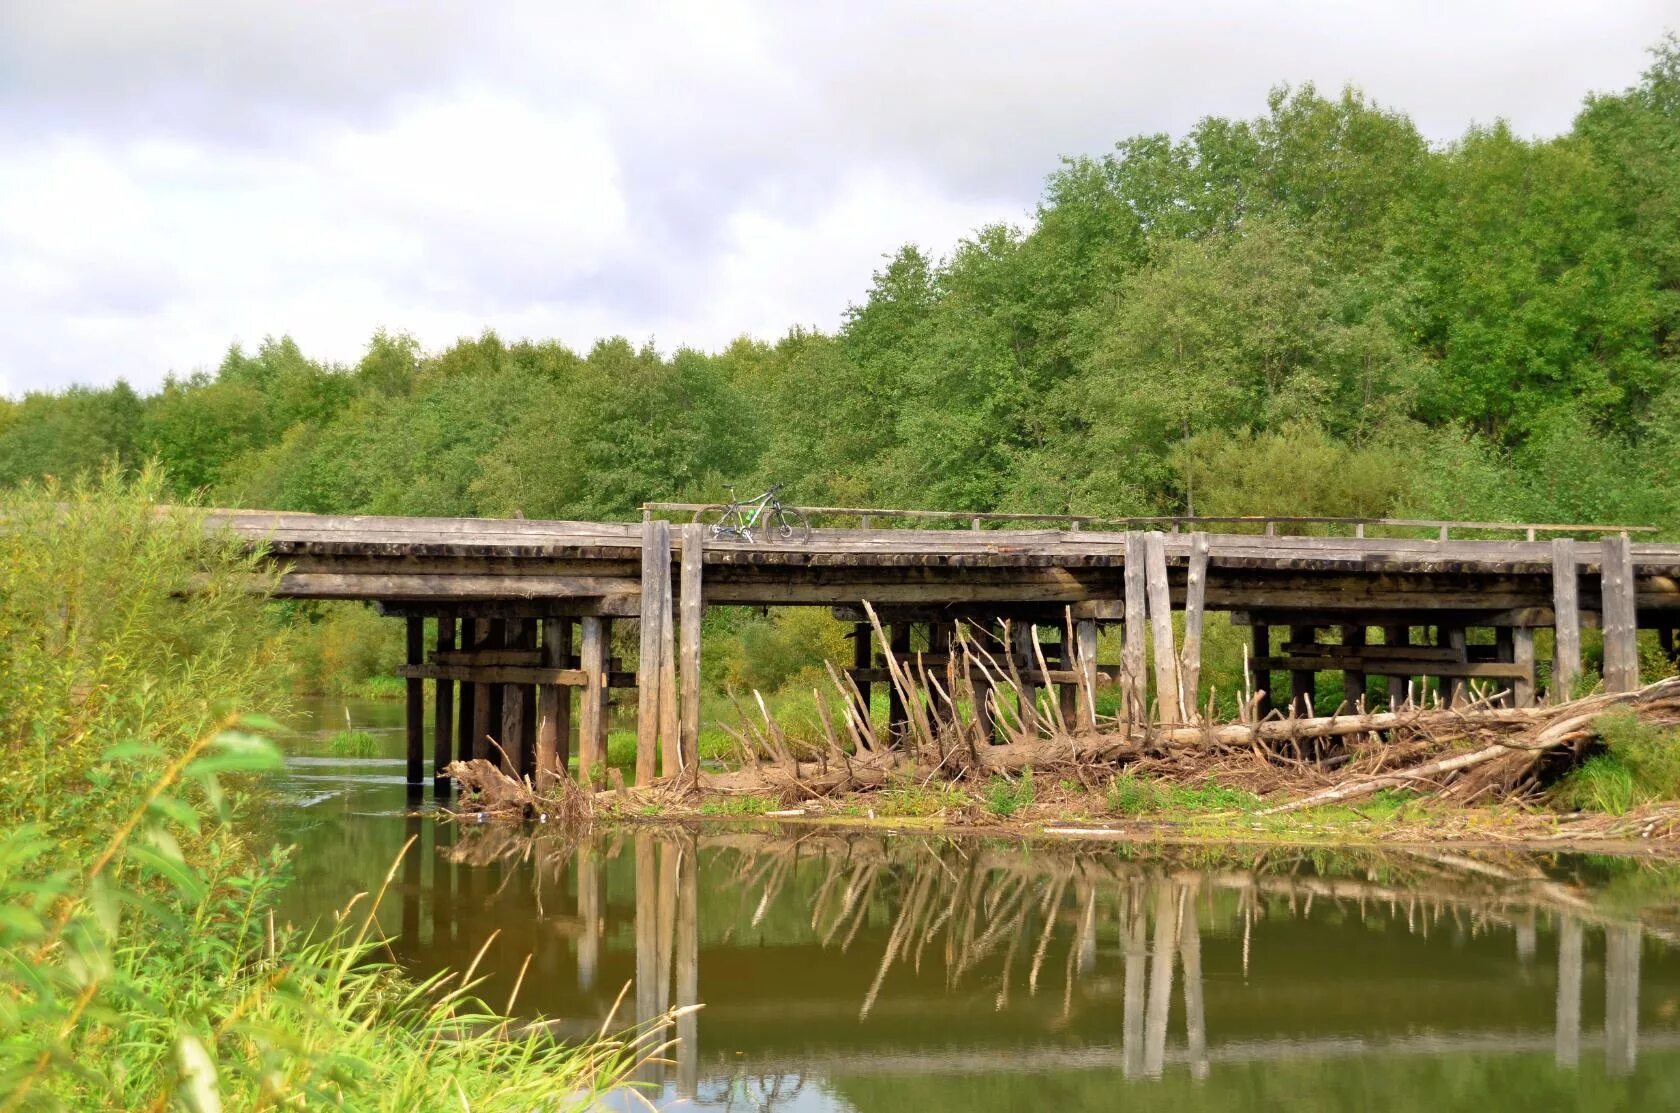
(1639, 764)
(738, 805)
(1005, 797)
(1133, 795)
(353, 743)
(916, 800)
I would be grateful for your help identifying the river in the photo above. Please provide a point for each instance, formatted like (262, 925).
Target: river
(877, 972)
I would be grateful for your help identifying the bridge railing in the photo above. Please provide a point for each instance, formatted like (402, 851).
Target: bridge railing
(1270, 525)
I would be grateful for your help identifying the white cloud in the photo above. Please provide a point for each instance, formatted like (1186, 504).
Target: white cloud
(178, 175)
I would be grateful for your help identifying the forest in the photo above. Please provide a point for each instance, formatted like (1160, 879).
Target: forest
(1313, 311)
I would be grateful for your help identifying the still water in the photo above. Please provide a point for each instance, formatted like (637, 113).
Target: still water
(886, 973)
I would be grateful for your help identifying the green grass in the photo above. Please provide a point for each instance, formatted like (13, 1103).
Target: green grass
(738, 806)
(916, 800)
(353, 743)
(1005, 797)
(1132, 795)
(1639, 764)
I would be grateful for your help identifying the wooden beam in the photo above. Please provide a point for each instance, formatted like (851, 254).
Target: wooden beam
(1169, 699)
(1621, 625)
(656, 602)
(1454, 691)
(1522, 655)
(1195, 594)
(465, 709)
(498, 675)
(443, 720)
(1461, 670)
(863, 657)
(1353, 679)
(1260, 650)
(592, 701)
(1566, 660)
(513, 709)
(1085, 645)
(1303, 679)
(693, 611)
(554, 706)
(415, 720)
(486, 709)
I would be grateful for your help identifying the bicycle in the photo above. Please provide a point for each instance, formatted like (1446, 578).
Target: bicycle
(761, 519)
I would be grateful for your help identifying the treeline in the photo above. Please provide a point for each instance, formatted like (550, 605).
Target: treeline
(1312, 311)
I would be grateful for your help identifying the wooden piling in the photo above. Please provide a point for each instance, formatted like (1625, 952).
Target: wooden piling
(655, 614)
(1399, 684)
(1621, 633)
(484, 706)
(1566, 621)
(1454, 690)
(554, 706)
(513, 708)
(1026, 661)
(1067, 694)
(1085, 645)
(898, 715)
(688, 969)
(592, 700)
(1260, 649)
(1522, 653)
(1134, 683)
(416, 709)
(693, 610)
(1167, 694)
(863, 657)
(443, 720)
(1303, 683)
(1567, 1052)
(1622, 943)
(1353, 680)
(465, 705)
(1195, 593)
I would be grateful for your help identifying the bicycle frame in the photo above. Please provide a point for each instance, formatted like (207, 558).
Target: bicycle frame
(744, 523)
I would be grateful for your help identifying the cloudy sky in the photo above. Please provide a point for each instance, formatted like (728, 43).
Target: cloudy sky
(177, 175)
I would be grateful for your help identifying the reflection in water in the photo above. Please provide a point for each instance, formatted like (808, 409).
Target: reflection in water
(873, 973)
(830, 957)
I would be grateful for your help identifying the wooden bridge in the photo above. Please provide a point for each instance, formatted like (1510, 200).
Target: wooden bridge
(524, 610)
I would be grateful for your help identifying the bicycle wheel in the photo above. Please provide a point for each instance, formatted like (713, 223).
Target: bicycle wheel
(787, 525)
(719, 521)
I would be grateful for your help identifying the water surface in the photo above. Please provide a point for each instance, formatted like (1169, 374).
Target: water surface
(880, 973)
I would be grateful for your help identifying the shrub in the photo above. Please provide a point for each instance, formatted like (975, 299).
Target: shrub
(1640, 764)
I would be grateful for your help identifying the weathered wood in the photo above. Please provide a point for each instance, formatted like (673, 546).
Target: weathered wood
(1026, 663)
(1353, 679)
(1568, 1050)
(486, 709)
(1067, 694)
(1621, 635)
(1397, 641)
(1454, 690)
(670, 737)
(1169, 699)
(443, 719)
(863, 656)
(688, 971)
(592, 700)
(1566, 660)
(1303, 677)
(693, 610)
(415, 721)
(1134, 683)
(898, 715)
(503, 675)
(1085, 644)
(1447, 670)
(465, 711)
(1522, 655)
(1261, 677)
(1195, 594)
(554, 706)
(656, 595)
(513, 708)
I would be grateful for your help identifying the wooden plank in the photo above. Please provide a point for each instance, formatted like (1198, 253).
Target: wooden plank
(693, 612)
(670, 739)
(500, 675)
(414, 722)
(1353, 679)
(656, 586)
(487, 657)
(1522, 655)
(1168, 697)
(1195, 594)
(443, 587)
(1566, 587)
(552, 741)
(1134, 684)
(1621, 627)
(443, 720)
(592, 701)
(1085, 644)
(513, 709)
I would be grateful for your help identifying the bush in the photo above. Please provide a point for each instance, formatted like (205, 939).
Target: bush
(1640, 764)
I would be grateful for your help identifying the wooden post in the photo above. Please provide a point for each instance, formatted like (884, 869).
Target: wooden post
(670, 736)
(416, 709)
(443, 722)
(1026, 662)
(487, 713)
(1067, 694)
(983, 694)
(1621, 629)
(1195, 1010)
(1260, 648)
(1566, 621)
(1167, 694)
(1568, 1032)
(688, 969)
(1195, 591)
(1399, 683)
(898, 716)
(656, 605)
(1455, 690)
(1085, 641)
(554, 706)
(1134, 683)
(512, 726)
(1621, 997)
(589, 914)
(1353, 680)
(647, 933)
(1303, 683)
(863, 657)
(528, 710)
(592, 700)
(466, 704)
(1522, 653)
(693, 610)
